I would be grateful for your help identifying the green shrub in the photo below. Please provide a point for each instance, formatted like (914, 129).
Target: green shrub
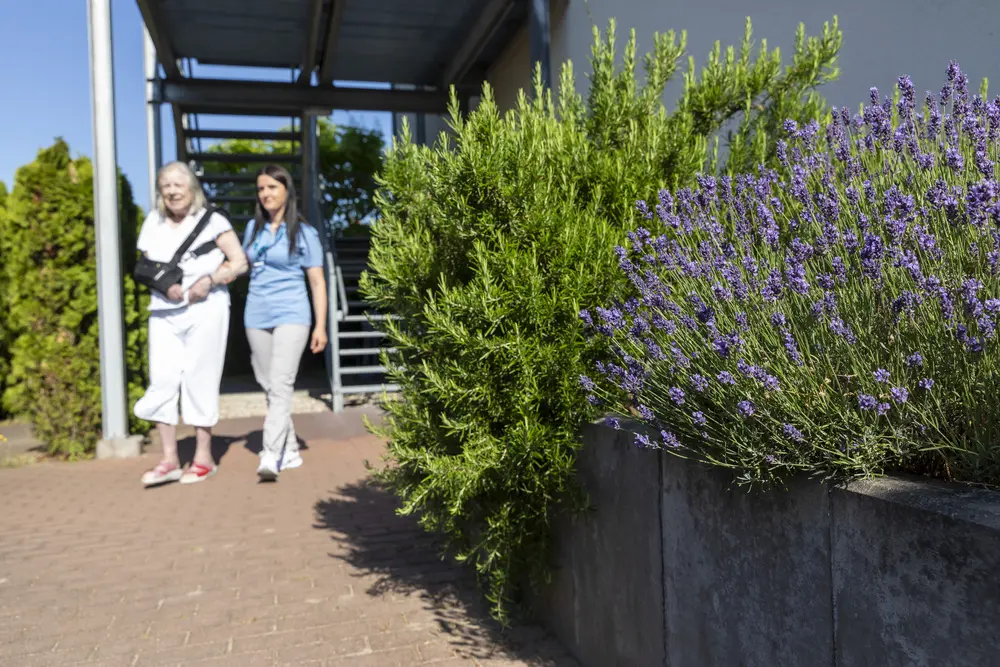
(4, 352)
(50, 272)
(845, 323)
(488, 248)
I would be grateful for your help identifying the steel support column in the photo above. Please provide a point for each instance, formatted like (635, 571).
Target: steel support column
(313, 211)
(538, 29)
(109, 261)
(154, 135)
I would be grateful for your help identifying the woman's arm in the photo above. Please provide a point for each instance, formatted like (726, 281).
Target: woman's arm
(236, 260)
(235, 265)
(317, 284)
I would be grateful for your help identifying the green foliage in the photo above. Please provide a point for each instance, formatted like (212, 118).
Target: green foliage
(4, 352)
(349, 158)
(49, 271)
(851, 325)
(489, 247)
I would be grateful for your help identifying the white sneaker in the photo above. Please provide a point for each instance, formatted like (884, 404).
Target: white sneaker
(291, 459)
(267, 471)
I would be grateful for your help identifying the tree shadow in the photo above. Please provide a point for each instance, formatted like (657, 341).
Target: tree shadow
(398, 559)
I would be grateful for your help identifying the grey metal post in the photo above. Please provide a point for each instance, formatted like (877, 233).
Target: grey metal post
(154, 136)
(538, 29)
(109, 264)
(311, 197)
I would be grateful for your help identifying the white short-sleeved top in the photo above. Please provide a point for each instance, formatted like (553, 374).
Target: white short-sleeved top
(159, 240)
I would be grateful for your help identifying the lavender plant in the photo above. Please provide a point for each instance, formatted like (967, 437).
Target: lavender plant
(834, 315)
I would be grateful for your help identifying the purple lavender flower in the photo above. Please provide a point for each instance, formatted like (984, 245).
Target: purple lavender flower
(699, 418)
(915, 360)
(926, 384)
(593, 400)
(586, 318)
(899, 394)
(646, 414)
(745, 408)
(611, 320)
(793, 433)
(677, 395)
(770, 459)
(840, 328)
(792, 348)
(642, 441)
(699, 382)
(725, 377)
(866, 402)
(882, 409)
(771, 383)
(643, 208)
(670, 440)
(881, 375)
(613, 423)
(778, 319)
(586, 383)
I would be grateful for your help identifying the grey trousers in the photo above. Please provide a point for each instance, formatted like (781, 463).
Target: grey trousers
(275, 355)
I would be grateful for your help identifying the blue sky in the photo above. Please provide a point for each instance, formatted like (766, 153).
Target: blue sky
(46, 83)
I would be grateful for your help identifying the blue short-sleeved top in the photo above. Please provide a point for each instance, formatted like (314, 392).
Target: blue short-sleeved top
(278, 293)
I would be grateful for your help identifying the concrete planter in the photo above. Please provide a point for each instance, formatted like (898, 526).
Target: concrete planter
(676, 566)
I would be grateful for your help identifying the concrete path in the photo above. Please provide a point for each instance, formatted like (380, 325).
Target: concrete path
(313, 570)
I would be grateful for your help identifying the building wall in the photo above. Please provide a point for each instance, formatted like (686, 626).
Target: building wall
(882, 39)
(434, 125)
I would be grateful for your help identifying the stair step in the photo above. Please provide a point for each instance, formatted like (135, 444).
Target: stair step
(234, 178)
(369, 318)
(248, 199)
(243, 134)
(241, 158)
(355, 335)
(365, 351)
(361, 370)
(369, 389)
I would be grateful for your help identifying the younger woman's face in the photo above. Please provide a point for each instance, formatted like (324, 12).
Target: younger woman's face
(272, 195)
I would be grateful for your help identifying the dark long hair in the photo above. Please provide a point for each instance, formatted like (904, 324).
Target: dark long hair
(292, 219)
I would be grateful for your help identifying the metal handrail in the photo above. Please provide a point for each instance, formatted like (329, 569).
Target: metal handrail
(342, 290)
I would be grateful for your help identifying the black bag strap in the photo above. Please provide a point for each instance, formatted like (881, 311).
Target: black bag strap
(204, 248)
(193, 235)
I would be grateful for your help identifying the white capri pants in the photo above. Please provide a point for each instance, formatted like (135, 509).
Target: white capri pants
(275, 355)
(187, 351)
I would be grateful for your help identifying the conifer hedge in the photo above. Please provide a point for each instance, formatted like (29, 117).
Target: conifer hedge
(49, 274)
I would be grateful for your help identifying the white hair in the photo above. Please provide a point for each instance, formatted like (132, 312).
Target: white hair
(198, 200)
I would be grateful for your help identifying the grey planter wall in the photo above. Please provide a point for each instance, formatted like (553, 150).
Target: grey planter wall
(676, 566)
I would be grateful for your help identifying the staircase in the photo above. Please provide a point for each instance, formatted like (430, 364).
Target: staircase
(352, 357)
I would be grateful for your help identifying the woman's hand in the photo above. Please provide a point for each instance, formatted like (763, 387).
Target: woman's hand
(175, 293)
(319, 340)
(200, 290)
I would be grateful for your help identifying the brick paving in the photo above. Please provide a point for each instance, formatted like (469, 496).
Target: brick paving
(313, 570)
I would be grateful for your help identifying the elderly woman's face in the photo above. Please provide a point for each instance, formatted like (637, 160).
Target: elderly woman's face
(175, 188)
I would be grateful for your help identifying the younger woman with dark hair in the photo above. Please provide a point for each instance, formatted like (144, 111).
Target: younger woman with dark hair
(283, 251)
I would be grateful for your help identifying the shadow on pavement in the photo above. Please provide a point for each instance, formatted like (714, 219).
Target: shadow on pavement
(406, 561)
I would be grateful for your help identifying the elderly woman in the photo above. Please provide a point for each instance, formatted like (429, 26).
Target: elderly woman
(189, 324)
(283, 251)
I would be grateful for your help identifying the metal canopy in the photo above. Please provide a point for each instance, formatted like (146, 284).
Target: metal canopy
(425, 43)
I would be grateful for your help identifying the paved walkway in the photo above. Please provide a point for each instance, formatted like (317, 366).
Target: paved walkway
(313, 570)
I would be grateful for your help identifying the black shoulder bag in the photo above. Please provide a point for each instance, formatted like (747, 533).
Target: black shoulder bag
(161, 276)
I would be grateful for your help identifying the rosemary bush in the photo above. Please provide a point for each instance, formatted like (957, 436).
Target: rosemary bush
(489, 246)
